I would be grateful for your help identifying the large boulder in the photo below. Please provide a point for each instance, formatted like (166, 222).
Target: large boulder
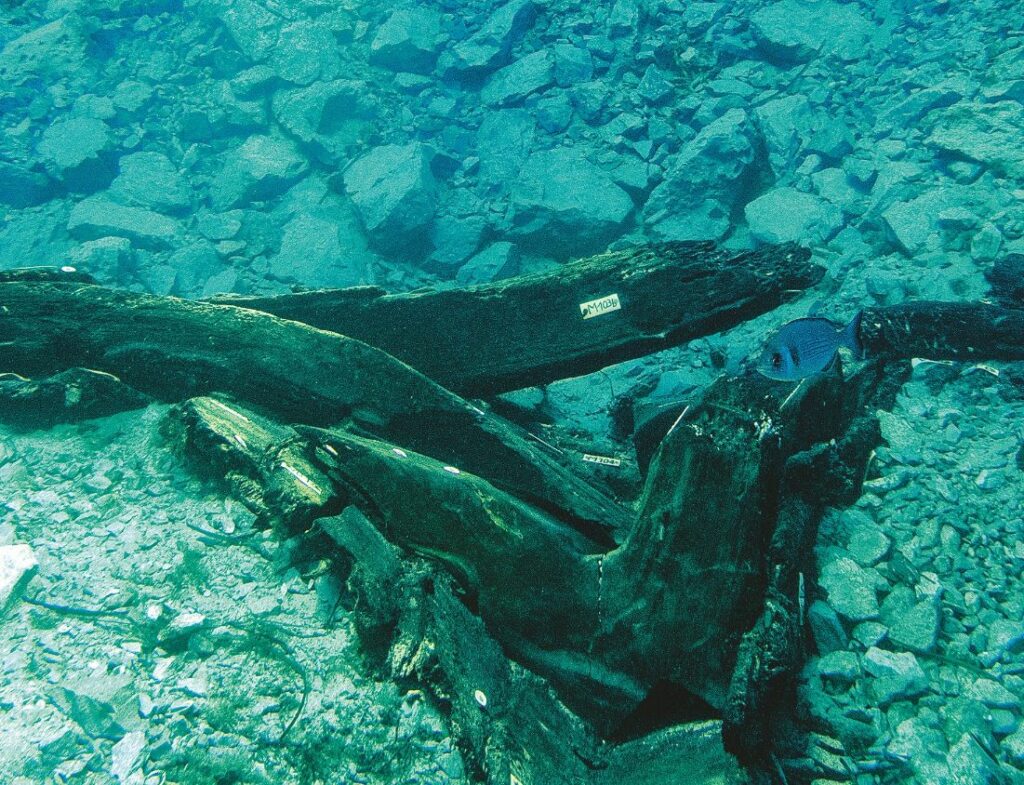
(528, 75)
(704, 182)
(983, 132)
(409, 40)
(305, 52)
(22, 187)
(262, 168)
(496, 261)
(319, 251)
(149, 179)
(77, 151)
(253, 27)
(785, 214)
(328, 117)
(17, 566)
(394, 192)
(795, 31)
(503, 143)
(98, 217)
(566, 206)
(490, 47)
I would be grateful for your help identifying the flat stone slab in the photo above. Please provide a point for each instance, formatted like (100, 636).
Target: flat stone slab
(98, 217)
(17, 566)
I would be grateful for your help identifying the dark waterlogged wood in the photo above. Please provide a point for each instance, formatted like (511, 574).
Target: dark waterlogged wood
(69, 396)
(944, 331)
(535, 582)
(538, 328)
(173, 349)
(669, 605)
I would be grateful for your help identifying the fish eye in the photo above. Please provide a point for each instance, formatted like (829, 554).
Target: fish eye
(776, 360)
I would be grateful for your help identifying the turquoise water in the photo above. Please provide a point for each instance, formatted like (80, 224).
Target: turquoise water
(254, 147)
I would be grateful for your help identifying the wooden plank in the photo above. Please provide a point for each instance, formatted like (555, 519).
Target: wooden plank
(574, 320)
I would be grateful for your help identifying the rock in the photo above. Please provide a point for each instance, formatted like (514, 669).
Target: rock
(17, 566)
(514, 82)
(498, 260)
(554, 113)
(490, 47)
(786, 214)
(590, 99)
(985, 245)
(102, 704)
(503, 143)
(835, 185)
(851, 589)
(573, 65)
(655, 87)
(455, 238)
(894, 675)
(826, 628)
(150, 180)
(923, 100)
(922, 748)
(21, 187)
(969, 763)
(97, 217)
(219, 226)
(126, 758)
(194, 262)
(408, 40)
(328, 116)
(394, 192)
(703, 182)
(108, 259)
(253, 28)
(565, 205)
(305, 52)
(1013, 746)
(262, 168)
(624, 18)
(868, 546)
(795, 32)
(1005, 636)
(177, 632)
(784, 123)
(911, 224)
(841, 666)
(917, 629)
(987, 133)
(992, 694)
(319, 252)
(75, 151)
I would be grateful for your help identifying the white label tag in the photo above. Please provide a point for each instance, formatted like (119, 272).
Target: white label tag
(600, 306)
(604, 460)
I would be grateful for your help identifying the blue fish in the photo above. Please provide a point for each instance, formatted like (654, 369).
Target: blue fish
(804, 347)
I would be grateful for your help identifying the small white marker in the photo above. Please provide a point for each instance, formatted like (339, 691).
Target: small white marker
(602, 305)
(399, 452)
(604, 460)
(481, 697)
(452, 470)
(68, 269)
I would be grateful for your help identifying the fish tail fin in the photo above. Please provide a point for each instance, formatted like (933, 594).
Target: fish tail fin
(851, 336)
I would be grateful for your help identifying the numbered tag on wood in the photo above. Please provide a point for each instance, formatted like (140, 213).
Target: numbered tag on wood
(600, 306)
(604, 460)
